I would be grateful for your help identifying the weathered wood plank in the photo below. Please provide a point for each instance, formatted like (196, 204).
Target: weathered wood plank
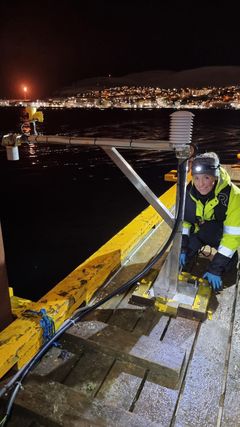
(17, 420)
(21, 340)
(158, 327)
(125, 315)
(125, 318)
(102, 315)
(121, 385)
(199, 403)
(56, 404)
(90, 372)
(231, 406)
(152, 323)
(144, 351)
(158, 402)
(142, 295)
(182, 333)
(56, 364)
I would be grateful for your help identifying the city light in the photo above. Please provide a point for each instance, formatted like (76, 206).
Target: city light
(134, 97)
(25, 90)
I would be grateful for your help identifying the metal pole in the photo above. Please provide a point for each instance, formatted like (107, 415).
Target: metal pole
(166, 284)
(141, 144)
(140, 185)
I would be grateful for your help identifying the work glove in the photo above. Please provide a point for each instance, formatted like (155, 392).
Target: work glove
(182, 259)
(214, 280)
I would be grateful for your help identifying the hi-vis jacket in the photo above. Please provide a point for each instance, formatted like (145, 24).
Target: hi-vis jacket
(224, 207)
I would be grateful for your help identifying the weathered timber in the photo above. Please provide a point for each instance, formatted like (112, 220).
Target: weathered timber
(143, 351)
(121, 385)
(202, 389)
(90, 372)
(56, 364)
(231, 397)
(157, 402)
(55, 404)
(152, 323)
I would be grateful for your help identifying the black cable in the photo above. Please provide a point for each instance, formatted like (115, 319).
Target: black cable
(84, 311)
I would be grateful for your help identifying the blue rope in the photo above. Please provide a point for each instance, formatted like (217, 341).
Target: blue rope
(46, 323)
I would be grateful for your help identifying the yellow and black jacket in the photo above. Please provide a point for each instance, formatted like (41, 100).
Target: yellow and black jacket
(224, 207)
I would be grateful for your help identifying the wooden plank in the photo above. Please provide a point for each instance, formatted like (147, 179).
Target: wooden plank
(19, 305)
(152, 323)
(121, 385)
(198, 310)
(22, 339)
(125, 318)
(157, 401)
(181, 332)
(143, 351)
(101, 314)
(90, 372)
(231, 398)
(52, 403)
(133, 233)
(141, 294)
(56, 364)
(202, 391)
(17, 419)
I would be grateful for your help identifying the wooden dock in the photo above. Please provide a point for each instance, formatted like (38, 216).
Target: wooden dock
(130, 365)
(127, 365)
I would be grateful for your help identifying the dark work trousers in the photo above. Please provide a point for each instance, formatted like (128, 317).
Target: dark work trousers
(210, 233)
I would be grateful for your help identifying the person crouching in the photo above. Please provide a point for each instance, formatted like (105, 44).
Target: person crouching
(212, 217)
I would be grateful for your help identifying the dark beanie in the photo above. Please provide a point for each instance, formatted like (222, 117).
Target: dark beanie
(207, 163)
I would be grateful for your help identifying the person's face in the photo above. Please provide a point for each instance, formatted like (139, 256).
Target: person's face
(203, 183)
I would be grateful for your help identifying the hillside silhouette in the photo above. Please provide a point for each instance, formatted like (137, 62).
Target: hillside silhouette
(218, 76)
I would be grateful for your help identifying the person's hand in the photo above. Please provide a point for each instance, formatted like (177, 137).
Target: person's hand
(214, 280)
(182, 259)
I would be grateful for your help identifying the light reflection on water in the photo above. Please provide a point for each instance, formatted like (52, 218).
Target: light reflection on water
(217, 130)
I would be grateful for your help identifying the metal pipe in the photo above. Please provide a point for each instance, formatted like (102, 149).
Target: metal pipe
(146, 144)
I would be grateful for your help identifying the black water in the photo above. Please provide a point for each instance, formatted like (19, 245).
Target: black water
(60, 204)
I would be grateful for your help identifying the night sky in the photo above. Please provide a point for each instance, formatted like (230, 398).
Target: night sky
(47, 45)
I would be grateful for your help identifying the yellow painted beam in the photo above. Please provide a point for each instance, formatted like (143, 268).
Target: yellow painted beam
(171, 176)
(203, 297)
(136, 230)
(21, 340)
(166, 306)
(19, 305)
(141, 294)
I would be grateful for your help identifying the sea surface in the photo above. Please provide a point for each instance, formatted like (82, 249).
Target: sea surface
(60, 204)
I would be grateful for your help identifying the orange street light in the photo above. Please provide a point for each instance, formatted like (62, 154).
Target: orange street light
(25, 89)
